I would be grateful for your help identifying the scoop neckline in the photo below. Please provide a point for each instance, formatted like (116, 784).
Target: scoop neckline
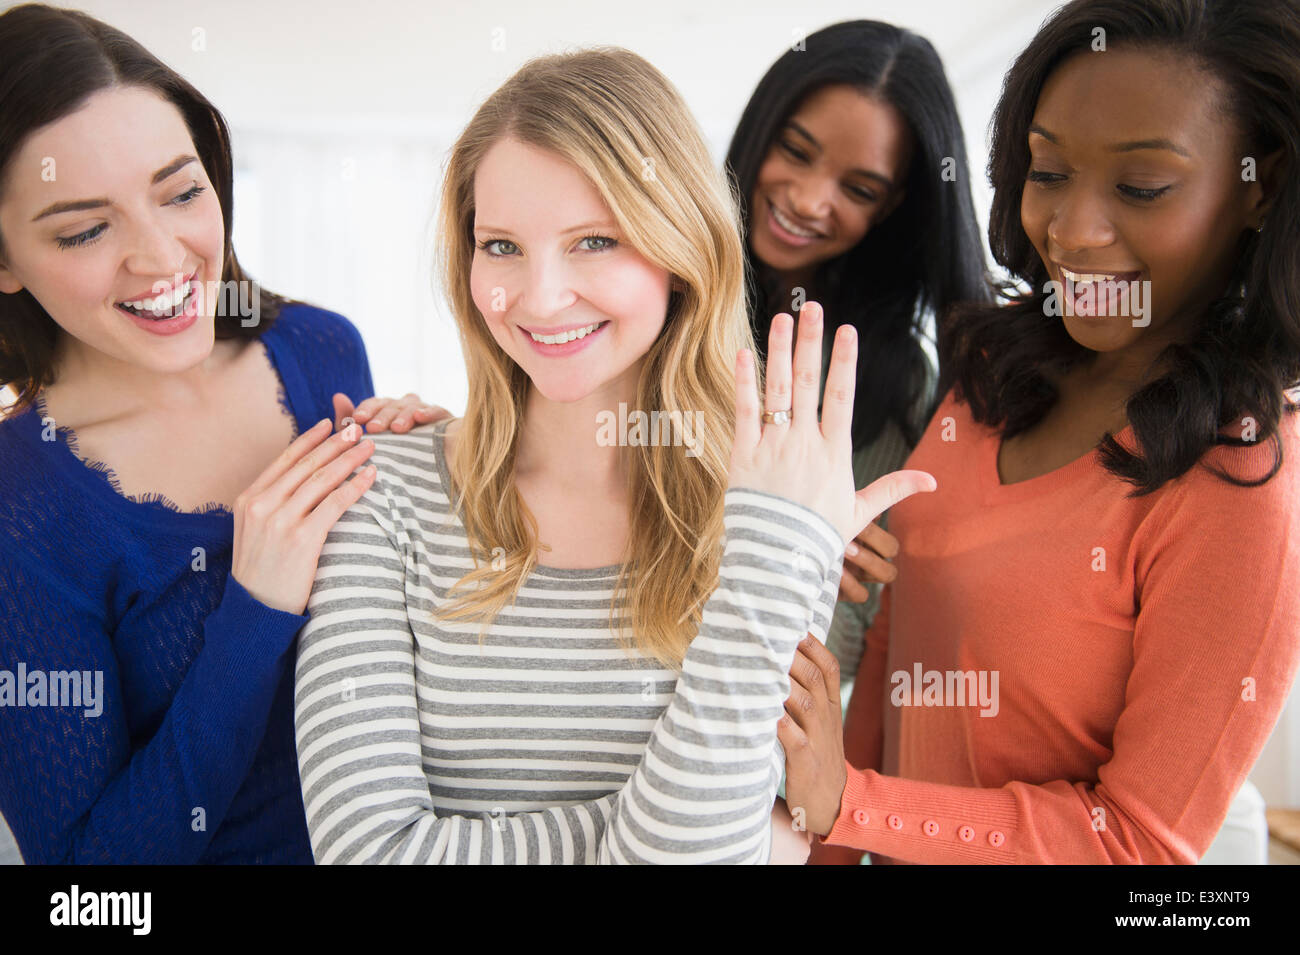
(444, 475)
(152, 508)
(1055, 479)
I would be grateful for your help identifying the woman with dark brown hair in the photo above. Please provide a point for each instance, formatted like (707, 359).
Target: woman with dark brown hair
(167, 475)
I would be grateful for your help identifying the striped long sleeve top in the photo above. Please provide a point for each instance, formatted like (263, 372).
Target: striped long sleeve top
(548, 741)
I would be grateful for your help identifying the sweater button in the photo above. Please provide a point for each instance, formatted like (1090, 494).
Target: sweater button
(895, 821)
(965, 833)
(860, 817)
(931, 828)
(996, 838)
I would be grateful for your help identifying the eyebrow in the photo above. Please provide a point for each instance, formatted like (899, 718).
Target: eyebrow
(81, 205)
(1127, 147)
(883, 179)
(598, 224)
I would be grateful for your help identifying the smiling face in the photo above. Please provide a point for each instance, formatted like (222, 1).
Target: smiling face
(561, 293)
(834, 171)
(1137, 174)
(105, 207)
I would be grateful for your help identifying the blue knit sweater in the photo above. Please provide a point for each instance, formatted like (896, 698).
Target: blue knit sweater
(191, 758)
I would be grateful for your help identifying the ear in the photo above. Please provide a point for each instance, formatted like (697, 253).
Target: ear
(1263, 191)
(9, 283)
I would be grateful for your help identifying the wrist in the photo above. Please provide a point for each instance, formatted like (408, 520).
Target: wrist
(832, 818)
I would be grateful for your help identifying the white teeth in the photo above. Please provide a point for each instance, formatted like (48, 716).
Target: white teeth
(1081, 278)
(790, 227)
(568, 336)
(166, 302)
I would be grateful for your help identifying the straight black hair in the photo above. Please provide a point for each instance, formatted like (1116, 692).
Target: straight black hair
(924, 256)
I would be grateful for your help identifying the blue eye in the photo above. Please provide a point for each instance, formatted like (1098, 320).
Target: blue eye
(84, 238)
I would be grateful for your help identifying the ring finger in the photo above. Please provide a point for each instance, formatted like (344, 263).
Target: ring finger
(777, 380)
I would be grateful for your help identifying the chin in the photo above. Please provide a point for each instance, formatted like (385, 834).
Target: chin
(563, 392)
(1109, 333)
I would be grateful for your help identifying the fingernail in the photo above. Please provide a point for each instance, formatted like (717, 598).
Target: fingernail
(322, 421)
(851, 549)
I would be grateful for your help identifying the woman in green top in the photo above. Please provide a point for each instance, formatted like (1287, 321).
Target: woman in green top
(850, 166)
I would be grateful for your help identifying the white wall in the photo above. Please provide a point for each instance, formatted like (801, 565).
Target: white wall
(342, 120)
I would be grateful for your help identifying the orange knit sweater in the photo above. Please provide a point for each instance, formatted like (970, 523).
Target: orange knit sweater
(1133, 653)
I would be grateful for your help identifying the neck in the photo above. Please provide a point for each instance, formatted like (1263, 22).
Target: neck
(1107, 381)
(92, 386)
(803, 278)
(557, 442)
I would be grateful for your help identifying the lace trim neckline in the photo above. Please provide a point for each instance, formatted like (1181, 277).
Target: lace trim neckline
(156, 501)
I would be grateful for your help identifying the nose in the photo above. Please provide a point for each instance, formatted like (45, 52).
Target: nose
(1079, 223)
(810, 197)
(548, 289)
(155, 249)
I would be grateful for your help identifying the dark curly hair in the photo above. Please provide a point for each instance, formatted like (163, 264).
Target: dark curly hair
(1245, 354)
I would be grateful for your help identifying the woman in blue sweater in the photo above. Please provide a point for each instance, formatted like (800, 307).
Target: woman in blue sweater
(167, 475)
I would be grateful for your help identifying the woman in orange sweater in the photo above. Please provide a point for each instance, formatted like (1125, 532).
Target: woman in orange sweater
(1096, 621)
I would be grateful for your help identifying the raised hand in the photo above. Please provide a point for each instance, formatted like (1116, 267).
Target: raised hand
(806, 460)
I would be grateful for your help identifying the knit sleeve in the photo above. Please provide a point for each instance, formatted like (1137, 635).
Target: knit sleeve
(704, 787)
(1215, 651)
(74, 787)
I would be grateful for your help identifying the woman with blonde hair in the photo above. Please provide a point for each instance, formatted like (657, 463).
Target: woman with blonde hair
(461, 697)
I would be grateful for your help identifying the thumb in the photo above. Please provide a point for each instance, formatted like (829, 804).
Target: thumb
(342, 409)
(884, 492)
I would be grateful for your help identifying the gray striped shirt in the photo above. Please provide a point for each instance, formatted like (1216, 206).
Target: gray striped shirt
(547, 741)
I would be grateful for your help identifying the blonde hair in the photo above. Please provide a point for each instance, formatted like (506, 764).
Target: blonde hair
(622, 124)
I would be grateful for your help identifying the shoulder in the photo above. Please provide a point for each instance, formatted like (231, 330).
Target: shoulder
(402, 455)
(1279, 495)
(318, 331)
(411, 470)
(952, 412)
(31, 478)
(1256, 527)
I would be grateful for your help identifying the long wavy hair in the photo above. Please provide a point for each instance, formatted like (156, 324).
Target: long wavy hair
(1245, 354)
(51, 62)
(922, 258)
(623, 125)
